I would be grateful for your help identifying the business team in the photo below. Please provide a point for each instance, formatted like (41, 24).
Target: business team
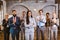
(27, 25)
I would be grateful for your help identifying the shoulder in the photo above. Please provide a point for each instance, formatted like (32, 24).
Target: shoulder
(43, 16)
(33, 19)
(3, 19)
(11, 18)
(17, 16)
(37, 17)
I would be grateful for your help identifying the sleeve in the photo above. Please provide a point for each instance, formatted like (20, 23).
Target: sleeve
(18, 23)
(27, 25)
(10, 23)
(44, 19)
(57, 22)
(34, 23)
(37, 20)
(4, 23)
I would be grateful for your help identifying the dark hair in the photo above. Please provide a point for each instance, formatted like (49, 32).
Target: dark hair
(27, 17)
(47, 13)
(23, 11)
(13, 10)
(40, 10)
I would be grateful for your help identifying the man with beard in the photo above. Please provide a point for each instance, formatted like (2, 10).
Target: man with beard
(14, 24)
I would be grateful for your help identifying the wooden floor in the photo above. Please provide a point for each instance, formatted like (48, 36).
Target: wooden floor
(2, 37)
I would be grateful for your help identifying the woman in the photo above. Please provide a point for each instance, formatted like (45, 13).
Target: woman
(30, 24)
(6, 27)
(48, 25)
(54, 29)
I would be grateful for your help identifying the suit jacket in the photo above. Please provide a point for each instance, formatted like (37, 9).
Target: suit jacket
(4, 24)
(14, 27)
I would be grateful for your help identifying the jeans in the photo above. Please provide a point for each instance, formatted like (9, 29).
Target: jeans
(15, 34)
(29, 34)
(22, 34)
(54, 32)
(6, 34)
(48, 33)
(42, 29)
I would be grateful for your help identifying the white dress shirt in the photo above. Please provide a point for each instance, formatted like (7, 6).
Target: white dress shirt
(32, 23)
(41, 20)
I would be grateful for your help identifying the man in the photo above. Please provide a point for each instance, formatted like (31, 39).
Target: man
(22, 25)
(41, 24)
(6, 27)
(14, 24)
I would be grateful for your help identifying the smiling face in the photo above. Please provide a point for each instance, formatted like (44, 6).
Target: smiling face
(13, 12)
(29, 14)
(47, 14)
(6, 16)
(23, 13)
(40, 12)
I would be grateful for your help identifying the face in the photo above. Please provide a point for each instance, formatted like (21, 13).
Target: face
(14, 12)
(40, 12)
(29, 14)
(6, 16)
(47, 15)
(23, 13)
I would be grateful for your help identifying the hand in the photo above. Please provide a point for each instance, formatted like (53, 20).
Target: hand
(14, 21)
(6, 19)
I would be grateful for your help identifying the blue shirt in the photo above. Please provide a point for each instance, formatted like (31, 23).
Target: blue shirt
(41, 22)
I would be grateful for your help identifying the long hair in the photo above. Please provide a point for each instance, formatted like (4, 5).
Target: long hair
(27, 17)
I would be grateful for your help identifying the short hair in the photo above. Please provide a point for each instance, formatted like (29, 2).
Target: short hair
(47, 13)
(23, 11)
(13, 10)
(40, 10)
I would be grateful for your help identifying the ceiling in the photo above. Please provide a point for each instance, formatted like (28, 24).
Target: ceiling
(24, 0)
(56, 1)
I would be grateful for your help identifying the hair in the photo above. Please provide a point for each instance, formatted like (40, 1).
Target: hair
(27, 17)
(23, 11)
(13, 10)
(40, 10)
(47, 13)
(47, 17)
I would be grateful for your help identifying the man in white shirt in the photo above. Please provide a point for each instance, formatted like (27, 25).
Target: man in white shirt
(41, 20)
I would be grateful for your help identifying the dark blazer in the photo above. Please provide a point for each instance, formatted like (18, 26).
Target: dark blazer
(15, 27)
(4, 24)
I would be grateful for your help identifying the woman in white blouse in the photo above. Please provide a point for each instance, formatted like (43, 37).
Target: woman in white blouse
(30, 24)
(54, 29)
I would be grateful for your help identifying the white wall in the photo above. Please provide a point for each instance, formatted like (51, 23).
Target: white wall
(34, 7)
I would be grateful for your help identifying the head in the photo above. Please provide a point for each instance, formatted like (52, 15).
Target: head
(47, 14)
(23, 13)
(6, 16)
(14, 12)
(40, 12)
(29, 14)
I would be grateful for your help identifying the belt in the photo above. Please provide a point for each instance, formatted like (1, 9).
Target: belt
(29, 27)
(41, 26)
